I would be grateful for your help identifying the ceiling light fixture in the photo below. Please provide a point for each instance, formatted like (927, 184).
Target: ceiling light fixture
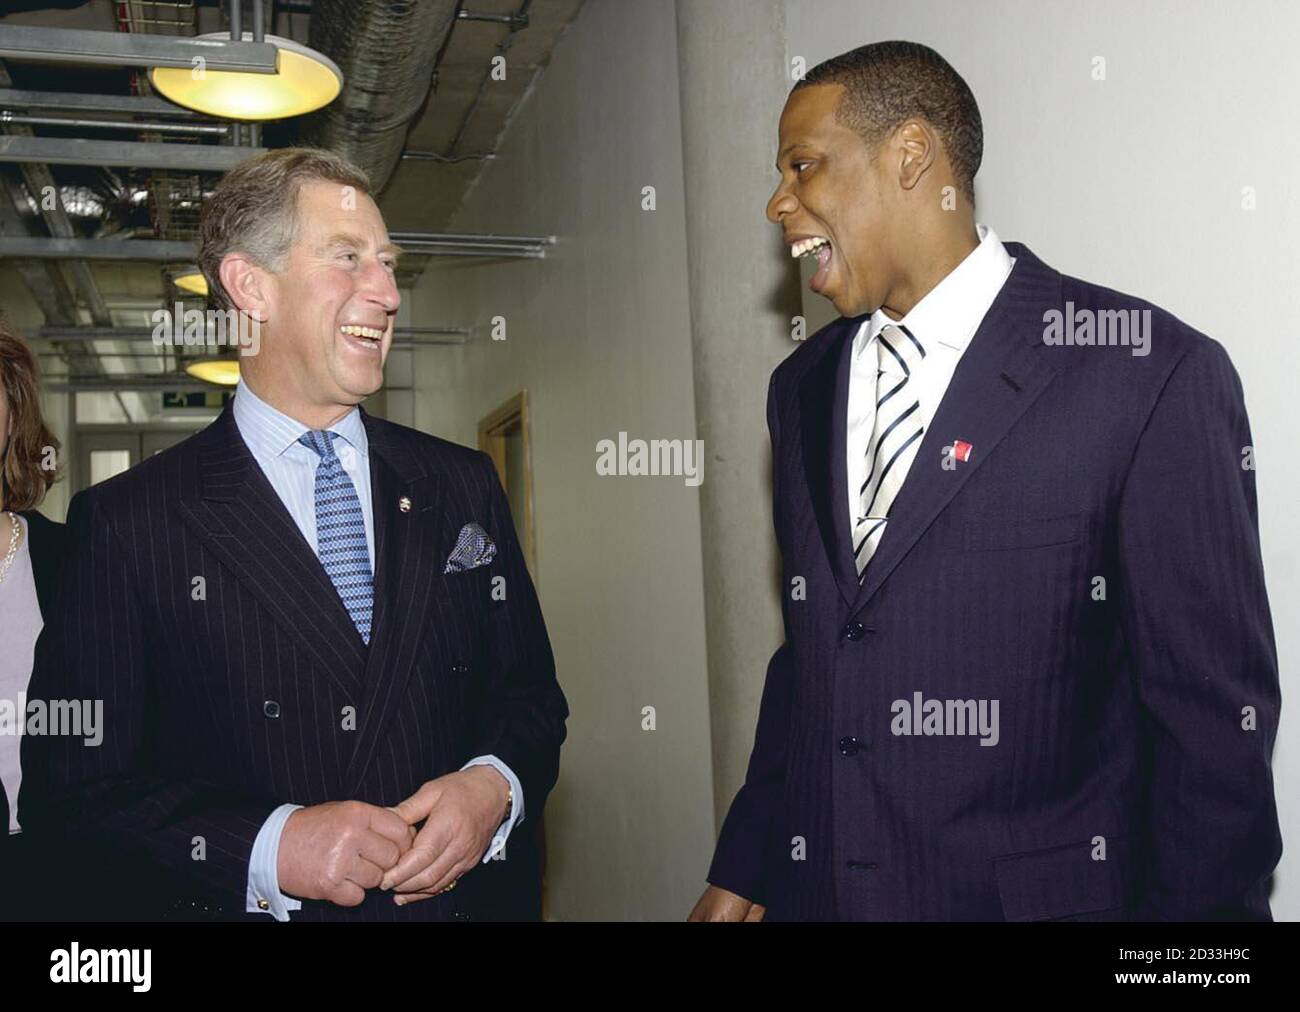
(223, 372)
(305, 80)
(191, 280)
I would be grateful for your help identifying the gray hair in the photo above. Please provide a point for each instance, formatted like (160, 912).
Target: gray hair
(254, 210)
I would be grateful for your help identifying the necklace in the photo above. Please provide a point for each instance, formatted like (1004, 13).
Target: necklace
(13, 547)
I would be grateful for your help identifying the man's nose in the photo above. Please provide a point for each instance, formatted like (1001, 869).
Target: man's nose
(380, 284)
(781, 204)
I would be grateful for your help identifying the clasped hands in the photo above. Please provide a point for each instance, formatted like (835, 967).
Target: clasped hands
(338, 850)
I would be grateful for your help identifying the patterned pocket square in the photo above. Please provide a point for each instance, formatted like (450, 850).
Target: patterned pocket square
(474, 548)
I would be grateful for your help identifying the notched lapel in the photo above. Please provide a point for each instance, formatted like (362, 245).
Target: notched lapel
(231, 507)
(407, 573)
(1001, 374)
(823, 421)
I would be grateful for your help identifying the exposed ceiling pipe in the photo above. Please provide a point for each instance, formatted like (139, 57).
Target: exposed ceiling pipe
(131, 154)
(387, 50)
(70, 101)
(415, 243)
(7, 116)
(401, 335)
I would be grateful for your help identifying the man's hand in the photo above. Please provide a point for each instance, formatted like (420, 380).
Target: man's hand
(338, 850)
(461, 812)
(719, 905)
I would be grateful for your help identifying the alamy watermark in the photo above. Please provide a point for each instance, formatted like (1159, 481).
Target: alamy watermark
(679, 457)
(75, 965)
(212, 328)
(1130, 328)
(55, 718)
(948, 717)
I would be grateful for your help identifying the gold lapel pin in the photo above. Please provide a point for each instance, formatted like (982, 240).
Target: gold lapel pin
(404, 504)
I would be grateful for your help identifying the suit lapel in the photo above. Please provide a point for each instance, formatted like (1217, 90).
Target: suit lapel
(823, 400)
(1001, 374)
(231, 507)
(407, 568)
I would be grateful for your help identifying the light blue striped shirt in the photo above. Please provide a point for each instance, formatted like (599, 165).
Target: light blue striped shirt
(290, 467)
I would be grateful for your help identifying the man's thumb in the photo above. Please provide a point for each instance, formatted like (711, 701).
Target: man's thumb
(409, 811)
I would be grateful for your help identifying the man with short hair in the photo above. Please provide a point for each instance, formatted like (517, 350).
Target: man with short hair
(328, 689)
(1028, 670)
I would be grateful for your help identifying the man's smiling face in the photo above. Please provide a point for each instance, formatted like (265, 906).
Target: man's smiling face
(334, 302)
(829, 202)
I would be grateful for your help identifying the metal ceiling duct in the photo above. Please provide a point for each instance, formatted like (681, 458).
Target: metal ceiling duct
(387, 50)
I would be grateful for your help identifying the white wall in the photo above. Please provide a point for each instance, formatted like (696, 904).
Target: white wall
(599, 334)
(1135, 182)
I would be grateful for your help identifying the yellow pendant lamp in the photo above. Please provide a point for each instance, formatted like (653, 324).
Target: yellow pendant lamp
(219, 371)
(304, 81)
(192, 281)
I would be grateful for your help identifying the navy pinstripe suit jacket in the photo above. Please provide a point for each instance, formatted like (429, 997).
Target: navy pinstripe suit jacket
(226, 697)
(1131, 778)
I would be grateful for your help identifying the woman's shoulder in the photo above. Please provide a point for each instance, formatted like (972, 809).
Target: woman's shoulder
(46, 543)
(44, 536)
(40, 524)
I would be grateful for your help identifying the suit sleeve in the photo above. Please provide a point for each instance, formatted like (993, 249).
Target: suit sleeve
(740, 857)
(120, 814)
(524, 709)
(1196, 621)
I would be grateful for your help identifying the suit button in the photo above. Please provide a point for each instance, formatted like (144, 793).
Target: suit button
(460, 669)
(849, 745)
(854, 631)
(460, 915)
(271, 708)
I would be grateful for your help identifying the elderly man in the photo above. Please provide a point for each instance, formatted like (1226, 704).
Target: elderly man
(328, 689)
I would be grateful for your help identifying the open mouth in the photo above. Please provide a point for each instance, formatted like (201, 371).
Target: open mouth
(365, 338)
(820, 247)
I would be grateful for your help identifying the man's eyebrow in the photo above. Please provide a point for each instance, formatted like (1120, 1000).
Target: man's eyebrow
(786, 150)
(351, 241)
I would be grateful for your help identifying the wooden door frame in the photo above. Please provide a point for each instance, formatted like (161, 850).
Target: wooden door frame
(492, 431)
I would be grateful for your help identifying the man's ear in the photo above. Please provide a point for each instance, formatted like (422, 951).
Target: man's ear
(919, 148)
(247, 284)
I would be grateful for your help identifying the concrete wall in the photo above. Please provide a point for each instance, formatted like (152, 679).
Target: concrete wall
(599, 335)
(1136, 182)
(744, 298)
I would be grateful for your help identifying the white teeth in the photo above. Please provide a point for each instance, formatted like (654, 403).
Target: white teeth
(356, 330)
(805, 246)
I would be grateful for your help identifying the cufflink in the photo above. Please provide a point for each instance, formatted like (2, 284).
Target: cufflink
(263, 905)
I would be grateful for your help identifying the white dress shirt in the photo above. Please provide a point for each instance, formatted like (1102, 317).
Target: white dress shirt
(290, 467)
(944, 321)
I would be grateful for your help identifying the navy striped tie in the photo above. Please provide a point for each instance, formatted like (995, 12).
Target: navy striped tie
(341, 532)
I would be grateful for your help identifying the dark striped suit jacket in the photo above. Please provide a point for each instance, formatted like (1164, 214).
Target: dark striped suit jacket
(1131, 778)
(233, 679)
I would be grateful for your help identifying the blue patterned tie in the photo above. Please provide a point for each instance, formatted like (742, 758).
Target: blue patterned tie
(341, 532)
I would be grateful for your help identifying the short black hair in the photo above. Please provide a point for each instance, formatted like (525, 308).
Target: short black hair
(887, 83)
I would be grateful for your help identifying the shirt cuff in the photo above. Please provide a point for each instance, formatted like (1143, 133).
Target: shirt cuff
(498, 843)
(264, 896)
